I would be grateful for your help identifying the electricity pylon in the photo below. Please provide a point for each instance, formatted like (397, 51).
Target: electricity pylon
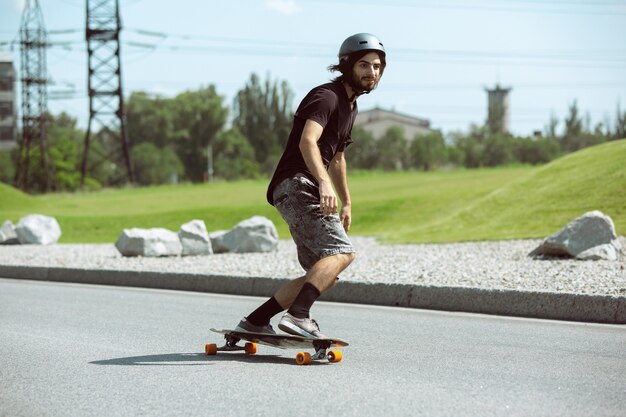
(106, 100)
(33, 44)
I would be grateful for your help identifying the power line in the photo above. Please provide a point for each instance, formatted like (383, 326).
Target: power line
(608, 8)
(458, 57)
(250, 46)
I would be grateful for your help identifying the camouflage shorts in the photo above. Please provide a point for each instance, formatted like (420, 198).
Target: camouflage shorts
(316, 236)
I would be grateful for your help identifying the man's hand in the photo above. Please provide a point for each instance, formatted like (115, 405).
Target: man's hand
(346, 217)
(328, 199)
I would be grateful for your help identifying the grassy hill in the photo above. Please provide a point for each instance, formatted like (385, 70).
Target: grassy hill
(541, 202)
(13, 200)
(484, 204)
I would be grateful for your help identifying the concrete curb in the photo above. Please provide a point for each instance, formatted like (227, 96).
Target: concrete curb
(545, 305)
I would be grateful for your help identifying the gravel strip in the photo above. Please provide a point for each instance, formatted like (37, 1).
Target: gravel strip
(485, 265)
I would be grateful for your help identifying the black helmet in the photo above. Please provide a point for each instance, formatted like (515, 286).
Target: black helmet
(360, 42)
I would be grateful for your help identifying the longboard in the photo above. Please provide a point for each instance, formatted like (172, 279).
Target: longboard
(281, 341)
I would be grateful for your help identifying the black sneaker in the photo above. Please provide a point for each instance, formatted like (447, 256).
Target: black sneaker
(306, 327)
(247, 327)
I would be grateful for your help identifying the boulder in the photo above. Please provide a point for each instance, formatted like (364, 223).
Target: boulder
(195, 239)
(592, 230)
(149, 242)
(38, 229)
(7, 234)
(607, 252)
(217, 239)
(256, 234)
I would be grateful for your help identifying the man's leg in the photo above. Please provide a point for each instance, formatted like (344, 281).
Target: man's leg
(314, 235)
(286, 294)
(322, 276)
(319, 279)
(280, 301)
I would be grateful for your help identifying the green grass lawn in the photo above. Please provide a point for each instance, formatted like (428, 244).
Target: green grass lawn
(459, 205)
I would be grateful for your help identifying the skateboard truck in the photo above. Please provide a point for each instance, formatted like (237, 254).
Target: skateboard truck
(304, 358)
(230, 346)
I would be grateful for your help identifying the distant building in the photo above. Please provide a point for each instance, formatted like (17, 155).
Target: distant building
(498, 109)
(8, 117)
(378, 121)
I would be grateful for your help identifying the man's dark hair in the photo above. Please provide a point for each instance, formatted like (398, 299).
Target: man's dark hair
(345, 67)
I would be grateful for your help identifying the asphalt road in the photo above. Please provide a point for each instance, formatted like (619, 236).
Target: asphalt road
(76, 350)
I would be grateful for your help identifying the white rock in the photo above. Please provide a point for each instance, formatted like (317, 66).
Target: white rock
(38, 229)
(587, 231)
(256, 234)
(195, 238)
(217, 238)
(149, 242)
(606, 252)
(7, 234)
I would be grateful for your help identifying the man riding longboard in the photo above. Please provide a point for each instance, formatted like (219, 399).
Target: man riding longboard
(310, 175)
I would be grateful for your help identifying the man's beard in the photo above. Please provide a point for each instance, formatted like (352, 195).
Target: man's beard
(360, 86)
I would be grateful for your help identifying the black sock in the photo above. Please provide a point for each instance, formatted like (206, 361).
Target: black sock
(262, 315)
(305, 299)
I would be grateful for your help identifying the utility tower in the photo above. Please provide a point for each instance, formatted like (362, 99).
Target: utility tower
(106, 101)
(33, 44)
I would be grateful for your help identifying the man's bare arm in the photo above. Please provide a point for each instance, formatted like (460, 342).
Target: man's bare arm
(313, 158)
(339, 175)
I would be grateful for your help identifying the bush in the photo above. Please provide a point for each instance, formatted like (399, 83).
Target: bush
(536, 151)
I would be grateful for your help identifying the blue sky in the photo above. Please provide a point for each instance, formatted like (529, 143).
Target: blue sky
(441, 54)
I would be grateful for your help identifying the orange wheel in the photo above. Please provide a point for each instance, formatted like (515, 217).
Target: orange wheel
(303, 358)
(250, 348)
(210, 349)
(335, 356)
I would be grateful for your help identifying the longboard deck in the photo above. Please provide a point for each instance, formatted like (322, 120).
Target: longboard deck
(284, 341)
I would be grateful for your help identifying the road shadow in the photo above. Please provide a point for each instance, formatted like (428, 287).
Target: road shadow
(198, 359)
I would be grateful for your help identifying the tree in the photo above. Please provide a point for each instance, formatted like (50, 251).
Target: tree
(536, 151)
(470, 147)
(233, 156)
(7, 167)
(576, 136)
(573, 122)
(550, 129)
(620, 124)
(65, 144)
(456, 155)
(393, 150)
(428, 152)
(186, 123)
(363, 153)
(198, 117)
(150, 119)
(263, 115)
(155, 165)
(498, 150)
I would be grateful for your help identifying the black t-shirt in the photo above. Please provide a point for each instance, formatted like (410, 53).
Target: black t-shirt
(328, 105)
